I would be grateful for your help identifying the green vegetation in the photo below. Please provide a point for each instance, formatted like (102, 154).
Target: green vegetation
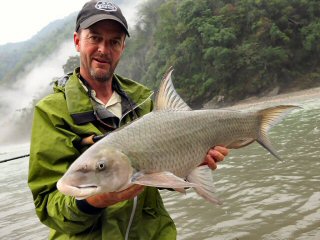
(230, 48)
(222, 49)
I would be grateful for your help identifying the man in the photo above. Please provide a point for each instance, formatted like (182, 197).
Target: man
(89, 102)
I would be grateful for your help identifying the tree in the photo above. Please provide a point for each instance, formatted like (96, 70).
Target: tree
(72, 63)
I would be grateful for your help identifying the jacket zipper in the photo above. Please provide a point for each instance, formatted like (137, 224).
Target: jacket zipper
(135, 202)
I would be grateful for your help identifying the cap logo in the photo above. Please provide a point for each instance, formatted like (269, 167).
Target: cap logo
(106, 6)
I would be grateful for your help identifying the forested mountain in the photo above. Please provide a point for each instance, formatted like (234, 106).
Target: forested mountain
(223, 49)
(228, 49)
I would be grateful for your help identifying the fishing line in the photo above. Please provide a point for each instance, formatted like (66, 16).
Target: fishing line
(14, 158)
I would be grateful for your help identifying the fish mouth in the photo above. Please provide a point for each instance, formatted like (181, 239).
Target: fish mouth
(85, 191)
(79, 192)
(86, 186)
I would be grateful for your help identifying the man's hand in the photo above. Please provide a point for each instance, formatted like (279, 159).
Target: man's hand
(108, 199)
(215, 155)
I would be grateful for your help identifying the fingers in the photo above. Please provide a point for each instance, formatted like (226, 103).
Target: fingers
(221, 151)
(215, 155)
(218, 153)
(211, 162)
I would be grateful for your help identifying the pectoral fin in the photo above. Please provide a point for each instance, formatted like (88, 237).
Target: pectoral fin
(202, 177)
(162, 180)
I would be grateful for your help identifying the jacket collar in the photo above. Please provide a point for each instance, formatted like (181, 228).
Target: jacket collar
(79, 104)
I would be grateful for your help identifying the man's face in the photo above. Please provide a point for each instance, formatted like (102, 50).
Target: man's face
(100, 48)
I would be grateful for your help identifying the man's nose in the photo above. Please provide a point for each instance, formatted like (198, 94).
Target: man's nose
(105, 47)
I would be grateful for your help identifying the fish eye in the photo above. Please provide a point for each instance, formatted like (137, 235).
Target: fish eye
(101, 165)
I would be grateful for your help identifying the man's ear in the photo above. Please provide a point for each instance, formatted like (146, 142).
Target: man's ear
(76, 40)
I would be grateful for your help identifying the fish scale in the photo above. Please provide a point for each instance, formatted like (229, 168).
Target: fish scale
(180, 142)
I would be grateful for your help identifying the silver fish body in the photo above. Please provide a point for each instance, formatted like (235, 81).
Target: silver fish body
(177, 141)
(165, 147)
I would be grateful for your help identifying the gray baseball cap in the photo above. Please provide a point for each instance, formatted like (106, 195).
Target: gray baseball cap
(95, 11)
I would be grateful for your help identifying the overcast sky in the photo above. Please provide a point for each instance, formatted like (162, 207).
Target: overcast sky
(21, 19)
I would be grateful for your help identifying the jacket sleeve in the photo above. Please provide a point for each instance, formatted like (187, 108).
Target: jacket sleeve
(52, 150)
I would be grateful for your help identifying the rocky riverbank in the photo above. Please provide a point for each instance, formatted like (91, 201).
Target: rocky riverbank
(295, 98)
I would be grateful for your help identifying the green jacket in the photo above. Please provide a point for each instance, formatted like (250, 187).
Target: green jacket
(55, 145)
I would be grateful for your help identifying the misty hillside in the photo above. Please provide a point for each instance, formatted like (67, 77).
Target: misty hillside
(14, 57)
(224, 49)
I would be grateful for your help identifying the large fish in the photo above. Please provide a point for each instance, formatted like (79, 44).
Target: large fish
(166, 147)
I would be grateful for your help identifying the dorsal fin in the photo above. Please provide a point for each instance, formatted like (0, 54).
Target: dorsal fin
(167, 97)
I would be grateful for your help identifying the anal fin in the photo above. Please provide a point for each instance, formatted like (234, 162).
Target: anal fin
(202, 177)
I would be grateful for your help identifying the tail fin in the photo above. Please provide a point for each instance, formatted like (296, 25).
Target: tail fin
(269, 118)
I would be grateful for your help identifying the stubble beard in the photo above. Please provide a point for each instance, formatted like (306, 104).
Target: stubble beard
(101, 77)
(104, 77)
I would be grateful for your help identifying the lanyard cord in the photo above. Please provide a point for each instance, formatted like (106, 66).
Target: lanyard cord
(95, 112)
(123, 94)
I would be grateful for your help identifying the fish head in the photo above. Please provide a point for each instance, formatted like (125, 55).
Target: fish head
(96, 172)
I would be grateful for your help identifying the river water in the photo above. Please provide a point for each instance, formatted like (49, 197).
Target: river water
(263, 198)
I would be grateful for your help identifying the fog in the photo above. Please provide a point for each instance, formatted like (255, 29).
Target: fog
(17, 100)
(33, 83)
